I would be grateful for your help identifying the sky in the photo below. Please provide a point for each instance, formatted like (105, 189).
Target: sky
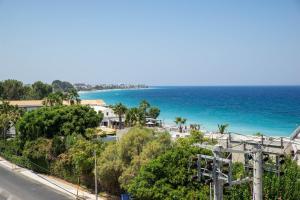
(155, 42)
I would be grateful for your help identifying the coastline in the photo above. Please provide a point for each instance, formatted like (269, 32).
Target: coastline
(247, 110)
(207, 130)
(111, 90)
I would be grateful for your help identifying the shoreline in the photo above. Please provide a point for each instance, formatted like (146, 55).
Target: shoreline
(205, 130)
(249, 124)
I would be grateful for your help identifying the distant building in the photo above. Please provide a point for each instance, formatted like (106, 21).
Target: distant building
(27, 104)
(109, 118)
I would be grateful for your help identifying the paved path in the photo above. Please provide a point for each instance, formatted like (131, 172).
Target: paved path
(14, 186)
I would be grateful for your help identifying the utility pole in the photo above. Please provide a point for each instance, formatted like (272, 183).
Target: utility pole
(210, 193)
(218, 184)
(258, 157)
(96, 186)
(213, 169)
(257, 173)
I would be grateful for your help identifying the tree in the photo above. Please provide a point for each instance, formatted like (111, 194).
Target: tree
(61, 86)
(72, 96)
(148, 151)
(168, 177)
(1, 90)
(154, 112)
(110, 168)
(119, 109)
(82, 158)
(258, 134)
(58, 120)
(137, 115)
(39, 154)
(58, 146)
(9, 115)
(12, 90)
(53, 99)
(222, 128)
(180, 122)
(121, 161)
(197, 136)
(134, 116)
(144, 105)
(4, 124)
(40, 90)
(286, 187)
(195, 127)
(28, 93)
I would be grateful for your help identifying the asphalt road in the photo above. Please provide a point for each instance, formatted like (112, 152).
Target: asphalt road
(14, 186)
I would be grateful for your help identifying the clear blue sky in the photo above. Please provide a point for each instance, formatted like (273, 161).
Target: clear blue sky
(153, 42)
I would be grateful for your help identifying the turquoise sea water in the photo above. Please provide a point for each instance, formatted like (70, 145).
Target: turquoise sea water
(270, 110)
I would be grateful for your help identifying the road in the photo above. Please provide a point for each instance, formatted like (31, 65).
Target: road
(14, 186)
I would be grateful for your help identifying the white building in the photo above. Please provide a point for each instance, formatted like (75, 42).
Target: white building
(109, 118)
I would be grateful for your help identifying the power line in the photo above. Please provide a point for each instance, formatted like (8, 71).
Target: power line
(213, 168)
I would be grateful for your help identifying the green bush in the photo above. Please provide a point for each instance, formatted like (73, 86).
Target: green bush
(168, 177)
(38, 153)
(56, 121)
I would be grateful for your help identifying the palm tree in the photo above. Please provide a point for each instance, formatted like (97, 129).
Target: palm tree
(134, 116)
(222, 128)
(144, 105)
(9, 116)
(72, 96)
(180, 121)
(195, 127)
(53, 99)
(119, 109)
(130, 117)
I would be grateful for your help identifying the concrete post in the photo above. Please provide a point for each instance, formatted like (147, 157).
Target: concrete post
(96, 184)
(257, 174)
(218, 184)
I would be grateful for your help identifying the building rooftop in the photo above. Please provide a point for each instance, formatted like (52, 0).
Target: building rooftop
(96, 102)
(39, 103)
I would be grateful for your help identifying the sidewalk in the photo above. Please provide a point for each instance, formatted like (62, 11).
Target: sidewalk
(53, 182)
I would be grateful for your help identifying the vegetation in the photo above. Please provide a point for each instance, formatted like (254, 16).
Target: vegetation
(72, 97)
(52, 140)
(54, 99)
(285, 187)
(40, 90)
(9, 115)
(258, 134)
(15, 90)
(12, 90)
(57, 98)
(153, 112)
(62, 86)
(167, 177)
(138, 115)
(120, 110)
(58, 120)
(222, 128)
(120, 162)
(180, 122)
(61, 141)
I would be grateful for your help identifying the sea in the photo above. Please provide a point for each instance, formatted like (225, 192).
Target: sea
(270, 110)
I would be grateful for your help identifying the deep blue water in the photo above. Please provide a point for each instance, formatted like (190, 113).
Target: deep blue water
(269, 110)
